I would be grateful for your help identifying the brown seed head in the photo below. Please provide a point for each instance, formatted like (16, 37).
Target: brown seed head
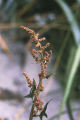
(38, 45)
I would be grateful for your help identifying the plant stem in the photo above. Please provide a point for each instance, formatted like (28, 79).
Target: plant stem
(31, 113)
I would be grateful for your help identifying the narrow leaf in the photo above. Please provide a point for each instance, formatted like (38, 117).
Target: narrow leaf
(71, 19)
(49, 75)
(43, 113)
(73, 70)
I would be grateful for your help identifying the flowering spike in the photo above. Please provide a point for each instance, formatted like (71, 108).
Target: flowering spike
(41, 56)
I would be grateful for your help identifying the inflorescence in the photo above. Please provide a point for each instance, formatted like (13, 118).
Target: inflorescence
(41, 56)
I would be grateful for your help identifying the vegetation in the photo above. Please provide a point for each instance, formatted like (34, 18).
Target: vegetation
(58, 20)
(43, 59)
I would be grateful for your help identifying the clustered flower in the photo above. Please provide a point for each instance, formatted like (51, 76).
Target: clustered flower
(30, 83)
(37, 104)
(37, 59)
(41, 56)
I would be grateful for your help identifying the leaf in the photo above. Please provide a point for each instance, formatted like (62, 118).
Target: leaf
(49, 75)
(70, 77)
(76, 57)
(43, 113)
(33, 88)
(72, 20)
(69, 110)
(29, 96)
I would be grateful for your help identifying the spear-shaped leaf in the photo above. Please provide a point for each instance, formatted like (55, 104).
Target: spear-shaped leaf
(43, 113)
(48, 75)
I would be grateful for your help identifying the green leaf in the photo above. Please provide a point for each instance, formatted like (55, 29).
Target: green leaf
(70, 77)
(72, 20)
(33, 88)
(43, 113)
(28, 96)
(49, 75)
(69, 110)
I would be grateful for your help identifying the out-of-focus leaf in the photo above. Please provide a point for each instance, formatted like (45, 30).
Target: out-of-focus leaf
(73, 22)
(26, 8)
(70, 78)
(76, 56)
(63, 113)
(69, 109)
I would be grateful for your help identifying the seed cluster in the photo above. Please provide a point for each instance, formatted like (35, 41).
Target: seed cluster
(30, 83)
(41, 56)
(37, 104)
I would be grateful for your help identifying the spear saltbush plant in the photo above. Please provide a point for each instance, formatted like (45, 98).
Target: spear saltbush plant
(41, 56)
